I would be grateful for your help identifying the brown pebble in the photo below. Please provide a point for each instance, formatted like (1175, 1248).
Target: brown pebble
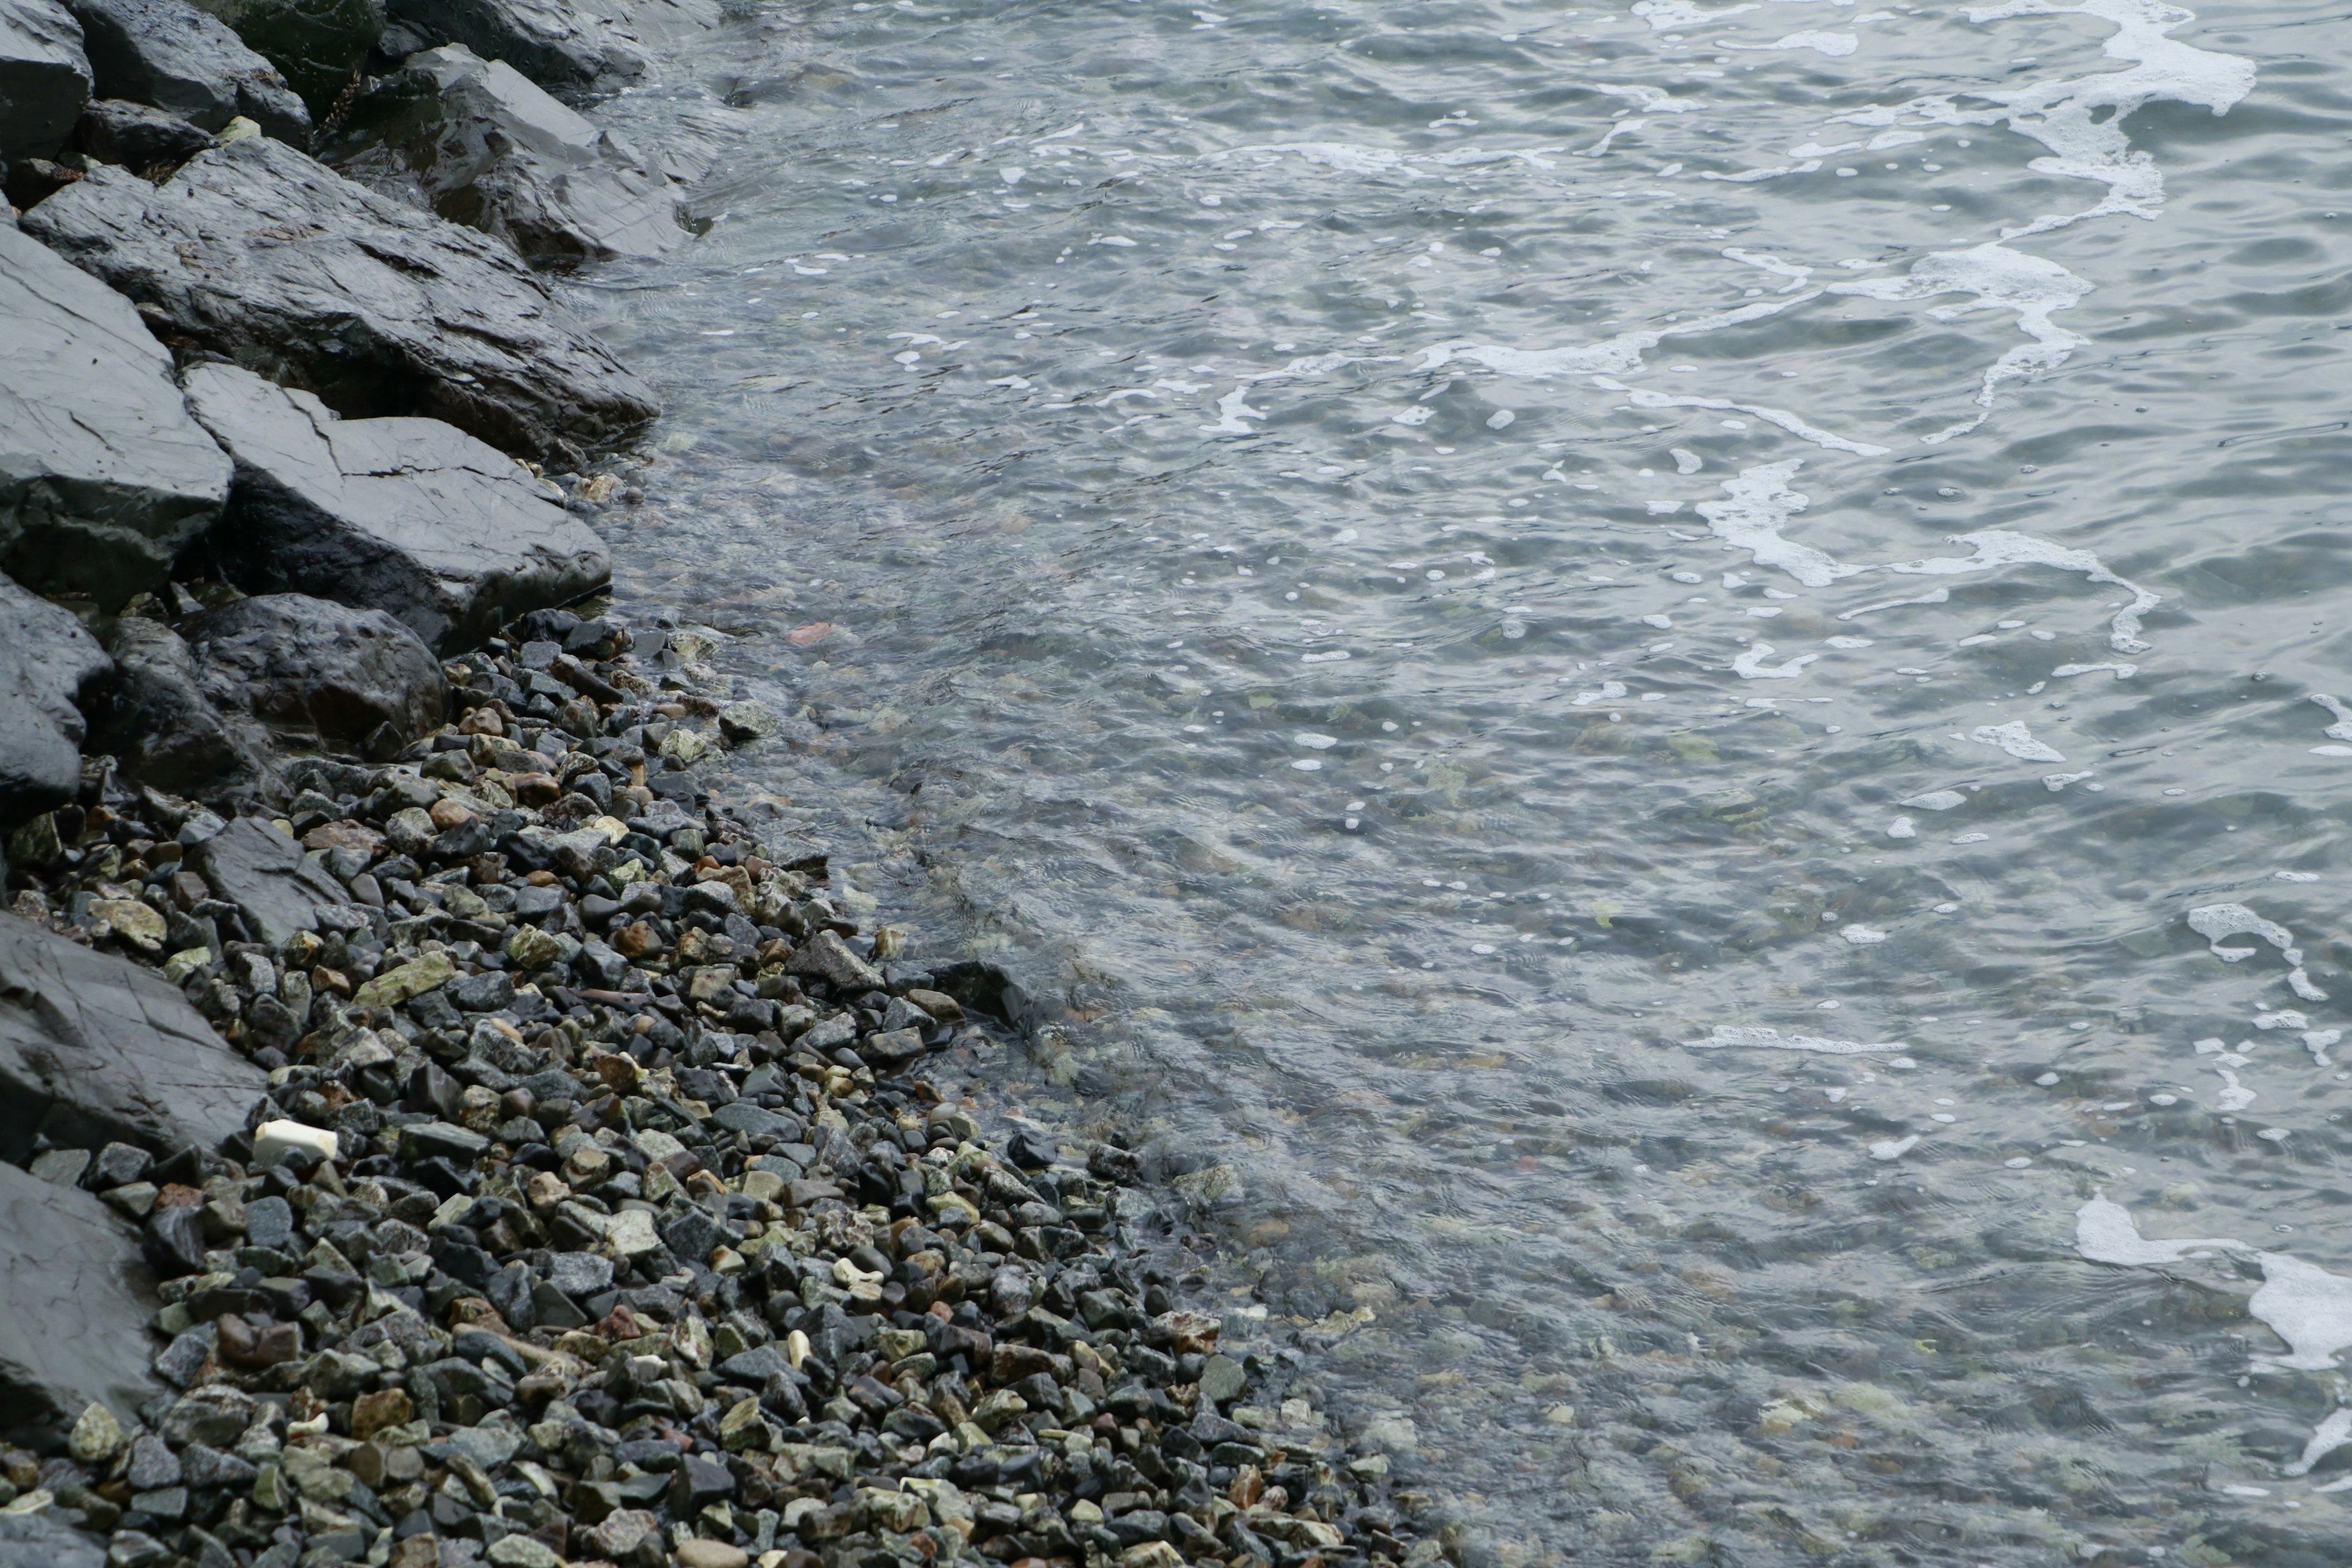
(700, 1553)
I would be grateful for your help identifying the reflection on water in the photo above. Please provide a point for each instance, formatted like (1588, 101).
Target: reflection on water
(1656, 682)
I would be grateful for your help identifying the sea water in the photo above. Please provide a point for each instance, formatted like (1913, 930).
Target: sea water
(1653, 688)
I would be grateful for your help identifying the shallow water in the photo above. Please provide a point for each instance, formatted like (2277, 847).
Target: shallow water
(1596, 657)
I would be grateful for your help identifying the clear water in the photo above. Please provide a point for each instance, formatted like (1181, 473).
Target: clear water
(1427, 573)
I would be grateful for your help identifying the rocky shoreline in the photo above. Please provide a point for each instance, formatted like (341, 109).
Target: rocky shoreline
(433, 1132)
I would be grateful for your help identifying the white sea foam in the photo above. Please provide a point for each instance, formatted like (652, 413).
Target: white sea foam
(2214, 921)
(1727, 1036)
(1761, 505)
(1935, 800)
(1751, 666)
(2016, 740)
(2104, 1232)
(1999, 547)
(2000, 279)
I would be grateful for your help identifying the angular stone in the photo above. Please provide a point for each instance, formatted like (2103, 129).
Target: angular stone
(260, 870)
(477, 143)
(152, 716)
(407, 982)
(104, 478)
(171, 56)
(410, 516)
(117, 130)
(316, 44)
(44, 1540)
(95, 1048)
(45, 661)
(826, 957)
(74, 1306)
(547, 40)
(295, 660)
(44, 77)
(261, 254)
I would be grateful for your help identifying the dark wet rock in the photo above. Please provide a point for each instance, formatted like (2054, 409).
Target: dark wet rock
(260, 870)
(261, 254)
(74, 1305)
(47, 661)
(44, 77)
(171, 56)
(409, 516)
(292, 660)
(104, 478)
(547, 40)
(316, 44)
(94, 1048)
(477, 143)
(152, 716)
(117, 130)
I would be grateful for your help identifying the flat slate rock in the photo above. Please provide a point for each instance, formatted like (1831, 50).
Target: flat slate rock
(410, 516)
(103, 476)
(559, 42)
(44, 77)
(95, 1049)
(260, 870)
(169, 55)
(45, 662)
(480, 143)
(268, 257)
(75, 1302)
(291, 659)
(44, 1540)
(117, 130)
(316, 44)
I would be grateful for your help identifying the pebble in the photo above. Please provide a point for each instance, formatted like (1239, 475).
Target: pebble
(605, 1208)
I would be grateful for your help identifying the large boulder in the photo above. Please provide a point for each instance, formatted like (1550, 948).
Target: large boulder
(103, 476)
(276, 890)
(317, 44)
(268, 258)
(75, 1302)
(171, 56)
(95, 1049)
(293, 660)
(559, 42)
(477, 141)
(117, 130)
(152, 717)
(45, 661)
(44, 77)
(409, 516)
(44, 1540)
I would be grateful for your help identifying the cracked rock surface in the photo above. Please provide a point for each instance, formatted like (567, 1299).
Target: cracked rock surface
(265, 257)
(446, 533)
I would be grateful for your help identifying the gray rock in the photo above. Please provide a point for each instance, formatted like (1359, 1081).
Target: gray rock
(413, 517)
(74, 1306)
(478, 143)
(152, 716)
(253, 865)
(117, 130)
(269, 1222)
(45, 661)
(263, 256)
(169, 55)
(152, 1464)
(549, 41)
(295, 660)
(826, 956)
(103, 476)
(44, 1540)
(95, 1049)
(317, 44)
(44, 77)
(578, 1274)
